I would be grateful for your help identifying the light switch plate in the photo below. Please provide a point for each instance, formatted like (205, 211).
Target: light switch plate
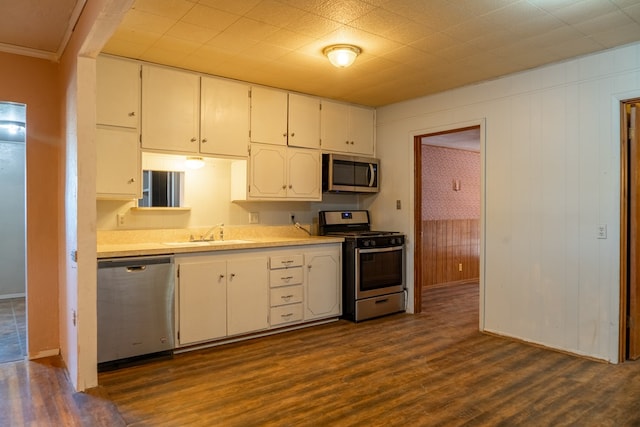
(254, 218)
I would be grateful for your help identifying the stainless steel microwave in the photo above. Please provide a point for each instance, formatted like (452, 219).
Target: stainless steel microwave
(350, 174)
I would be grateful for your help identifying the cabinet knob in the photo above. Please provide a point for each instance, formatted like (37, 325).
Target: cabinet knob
(284, 187)
(346, 142)
(204, 140)
(132, 180)
(290, 186)
(233, 275)
(221, 277)
(132, 114)
(351, 142)
(293, 134)
(284, 134)
(194, 139)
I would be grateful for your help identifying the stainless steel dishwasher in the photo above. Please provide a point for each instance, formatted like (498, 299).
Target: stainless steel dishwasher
(135, 308)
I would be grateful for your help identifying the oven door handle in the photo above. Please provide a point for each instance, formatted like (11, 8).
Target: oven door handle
(379, 250)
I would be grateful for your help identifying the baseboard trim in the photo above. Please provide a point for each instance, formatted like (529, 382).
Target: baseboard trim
(44, 353)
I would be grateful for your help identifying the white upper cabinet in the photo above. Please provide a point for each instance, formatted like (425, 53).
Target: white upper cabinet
(284, 119)
(171, 110)
(118, 163)
(224, 122)
(347, 128)
(268, 116)
(304, 121)
(117, 92)
(284, 173)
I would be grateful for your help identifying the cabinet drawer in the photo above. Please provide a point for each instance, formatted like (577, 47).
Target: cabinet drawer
(286, 314)
(285, 276)
(286, 295)
(285, 261)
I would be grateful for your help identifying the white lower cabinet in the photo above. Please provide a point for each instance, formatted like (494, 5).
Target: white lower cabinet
(306, 284)
(323, 290)
(233, 293)
(220, 295)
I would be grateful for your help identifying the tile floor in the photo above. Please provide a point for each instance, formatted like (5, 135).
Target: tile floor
(13, 330)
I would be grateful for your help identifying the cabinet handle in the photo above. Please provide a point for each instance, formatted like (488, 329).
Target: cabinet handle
(286, 297)
(351, 142)
(286, 279)
(194, 139)
(293, 134)
(284, 187)
(287, 262)
(286, 315)
(233, 275)
(221, 277)
(290, 186)
(132, 180)
(284, 134)
(346, 142)
(204, 140)
(132, 114)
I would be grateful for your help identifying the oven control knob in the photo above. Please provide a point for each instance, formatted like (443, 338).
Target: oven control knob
(373, 243)
(366, 242)
(393, 241)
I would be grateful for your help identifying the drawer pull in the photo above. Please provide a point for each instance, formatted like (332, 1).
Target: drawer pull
(286, 297)
(286, 279)
(287, 315)
(287, 262)
(382, 301)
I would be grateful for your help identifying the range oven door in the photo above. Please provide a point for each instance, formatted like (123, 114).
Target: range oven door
(379, 271)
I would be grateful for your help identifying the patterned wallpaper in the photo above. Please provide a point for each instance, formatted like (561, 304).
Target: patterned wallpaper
(442, 168)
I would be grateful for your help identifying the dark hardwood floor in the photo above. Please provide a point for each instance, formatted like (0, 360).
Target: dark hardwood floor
(432, 369)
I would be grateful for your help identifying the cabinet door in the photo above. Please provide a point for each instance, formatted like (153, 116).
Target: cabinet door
(304, 121)
(117, 92)
(334, 124)
(323, 286)
(202, 293)
(118, 173)
(268, 116)
(267, 171)
(361, 130)
(224, 121)
(171, 105)
(304, 174)
(247, 295)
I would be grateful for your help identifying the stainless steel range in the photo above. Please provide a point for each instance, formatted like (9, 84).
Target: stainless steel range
(373, 278)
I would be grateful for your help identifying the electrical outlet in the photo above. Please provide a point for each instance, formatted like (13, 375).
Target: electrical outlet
(602, 231)
(120, 219)
(254, 218)
(398, 205)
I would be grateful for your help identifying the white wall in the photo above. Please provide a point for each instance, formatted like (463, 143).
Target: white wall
(551, 171)
(12, 217)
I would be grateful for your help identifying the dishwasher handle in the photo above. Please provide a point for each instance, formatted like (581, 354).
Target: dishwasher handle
(134, 264)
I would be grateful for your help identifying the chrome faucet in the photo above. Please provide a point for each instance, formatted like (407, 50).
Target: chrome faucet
(210, 231)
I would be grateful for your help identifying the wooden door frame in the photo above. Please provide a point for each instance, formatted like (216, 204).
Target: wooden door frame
(624, 247)
(417, 209)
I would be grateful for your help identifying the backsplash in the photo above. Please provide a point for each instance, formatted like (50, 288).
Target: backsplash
(246, 232)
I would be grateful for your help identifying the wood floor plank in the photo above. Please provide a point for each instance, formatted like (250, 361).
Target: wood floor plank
(431, 369)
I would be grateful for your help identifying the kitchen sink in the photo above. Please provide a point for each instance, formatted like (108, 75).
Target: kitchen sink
(206, 243)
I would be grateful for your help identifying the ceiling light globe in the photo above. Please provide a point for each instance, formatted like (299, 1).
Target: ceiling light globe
(342, 56)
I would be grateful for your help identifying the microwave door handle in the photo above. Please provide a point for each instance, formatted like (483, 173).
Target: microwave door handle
(372, 176)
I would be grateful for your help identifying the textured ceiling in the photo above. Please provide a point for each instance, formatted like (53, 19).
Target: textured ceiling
(411, 48)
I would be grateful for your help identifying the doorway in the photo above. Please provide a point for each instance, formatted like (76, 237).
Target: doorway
(13, 324)
(447, 209)
(629, 334)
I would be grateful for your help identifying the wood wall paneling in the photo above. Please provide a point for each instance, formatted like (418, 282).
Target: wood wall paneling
(446, 244)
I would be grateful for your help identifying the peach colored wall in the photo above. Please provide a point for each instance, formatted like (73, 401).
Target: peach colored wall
(34, 82)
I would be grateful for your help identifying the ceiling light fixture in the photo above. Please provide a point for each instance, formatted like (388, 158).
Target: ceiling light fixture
(342, 55)
(194, 162)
